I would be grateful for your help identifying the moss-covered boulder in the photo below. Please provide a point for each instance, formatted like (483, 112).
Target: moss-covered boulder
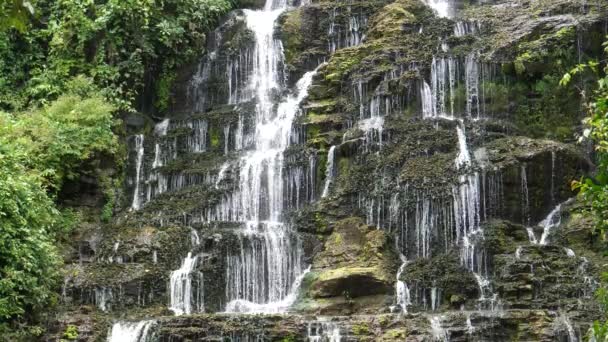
(357, 264)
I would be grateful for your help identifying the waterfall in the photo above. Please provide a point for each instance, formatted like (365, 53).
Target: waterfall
(374, 107)
(464, 157)
(467, 211)
(471, 72)
(426, 96)
(187, 288)
(264, 273)
(103, 298)
(160, 130)
(553, 157)
(443, 80)
(245, 306)
(448, 73)
(403, 298)
(221, 174)
(569, 252)
(139, 147)
(329, 170)
(435, 298)
(438, 332)
(157, 181)
(226, 139)
(563, 323)
(132, 331)
(197, 141)
(354, 34)
(531, 235)
(323, 331)
(552, 220)
(463, 28)
(525, 200)
(331, 32)
(441, 7)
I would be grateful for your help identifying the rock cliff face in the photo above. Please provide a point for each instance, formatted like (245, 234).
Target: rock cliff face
(356, 171)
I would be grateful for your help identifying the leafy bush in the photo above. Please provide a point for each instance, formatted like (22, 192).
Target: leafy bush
(38, 151)
(27, 254)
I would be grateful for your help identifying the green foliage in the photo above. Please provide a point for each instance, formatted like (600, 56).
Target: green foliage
(71, 332)
(120, 44)
(594, 190)
(57, 138)
(39, 150)
(15, 14)
(28, 257)
(163, 91)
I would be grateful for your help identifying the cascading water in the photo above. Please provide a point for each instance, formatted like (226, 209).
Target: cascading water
(187, 288)
(142, 331)
(157, 181)
(265, 242)
(525, 200)
(439, 99)
(263, 274)
(467, 211)
(139, 148)
(426, 95)
(438, 332)
(329, 170)
(353, 35)
(323, 331)
(441, 7)
(563, 323)
(551, 221)
(464, 157)
(187, 284)
(103, 298)
(402, 291)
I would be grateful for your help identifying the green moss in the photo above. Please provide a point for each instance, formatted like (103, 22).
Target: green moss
(360, 329)
(292, 35)
(215, 136)
(71, 332)
(290, 338)
(391, 20)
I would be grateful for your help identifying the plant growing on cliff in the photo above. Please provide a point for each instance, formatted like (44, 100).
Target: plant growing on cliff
(593, 190)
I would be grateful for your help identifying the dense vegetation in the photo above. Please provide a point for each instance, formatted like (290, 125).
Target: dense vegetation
(68, 69)
(39, 150)
(129, 48)
(594, 190)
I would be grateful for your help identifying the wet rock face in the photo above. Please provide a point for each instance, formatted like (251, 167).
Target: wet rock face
(535, 175)
(440, 282)
(539, 277)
